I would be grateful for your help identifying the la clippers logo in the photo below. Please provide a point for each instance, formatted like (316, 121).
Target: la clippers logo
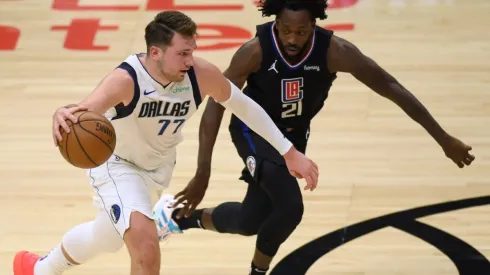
(251, 165)
(292, 89)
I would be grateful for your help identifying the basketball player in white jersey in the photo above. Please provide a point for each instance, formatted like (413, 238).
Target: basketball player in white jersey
(148, 99)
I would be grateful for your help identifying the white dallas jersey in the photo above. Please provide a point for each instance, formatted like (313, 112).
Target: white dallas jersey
(150, 127)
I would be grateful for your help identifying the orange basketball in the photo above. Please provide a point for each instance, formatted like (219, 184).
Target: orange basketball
(90, 142)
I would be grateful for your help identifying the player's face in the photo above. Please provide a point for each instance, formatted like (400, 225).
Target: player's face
(294, 29)
(177, 58)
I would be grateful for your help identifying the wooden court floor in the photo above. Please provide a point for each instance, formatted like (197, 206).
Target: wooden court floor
(374, 160)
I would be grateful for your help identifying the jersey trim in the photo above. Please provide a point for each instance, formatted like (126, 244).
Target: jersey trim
(121, 110)
(248, 137)
(195, 87)
(276, 47)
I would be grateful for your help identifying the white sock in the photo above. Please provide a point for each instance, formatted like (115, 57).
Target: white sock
(54, 263)
(81, 243)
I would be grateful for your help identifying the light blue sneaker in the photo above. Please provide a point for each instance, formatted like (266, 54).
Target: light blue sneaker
(162, 215)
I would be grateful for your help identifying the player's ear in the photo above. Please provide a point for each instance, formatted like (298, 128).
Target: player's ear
(277, 19)
(155, 52)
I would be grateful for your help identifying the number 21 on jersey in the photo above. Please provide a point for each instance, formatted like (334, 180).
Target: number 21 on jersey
(292, 96)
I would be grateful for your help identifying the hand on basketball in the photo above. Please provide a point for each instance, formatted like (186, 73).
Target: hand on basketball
(192, 194)
(59, 120)
(302, 167)
(457, 151)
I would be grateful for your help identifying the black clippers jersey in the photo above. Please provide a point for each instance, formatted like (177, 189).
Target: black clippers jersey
(292, 94)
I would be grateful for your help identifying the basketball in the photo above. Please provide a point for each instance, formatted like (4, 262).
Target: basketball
(90, 142)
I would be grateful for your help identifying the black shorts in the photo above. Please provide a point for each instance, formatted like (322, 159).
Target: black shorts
(254, 149)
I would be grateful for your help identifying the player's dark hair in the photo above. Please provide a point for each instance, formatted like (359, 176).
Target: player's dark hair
(317, 8)
(161, 30)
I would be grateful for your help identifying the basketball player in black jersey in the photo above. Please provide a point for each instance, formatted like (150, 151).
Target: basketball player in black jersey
(289, 68)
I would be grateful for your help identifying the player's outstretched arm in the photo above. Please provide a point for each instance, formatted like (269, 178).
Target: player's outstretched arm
(343, 56)
(246, 60)
(115, 88)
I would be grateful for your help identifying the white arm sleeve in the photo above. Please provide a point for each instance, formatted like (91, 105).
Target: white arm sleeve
(256, 118)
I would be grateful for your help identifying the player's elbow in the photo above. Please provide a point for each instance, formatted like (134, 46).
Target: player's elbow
(213, 113)
(224, 91)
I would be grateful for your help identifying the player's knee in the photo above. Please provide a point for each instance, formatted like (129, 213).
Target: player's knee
(108, 242)
(142, 242)
(111, 244)
(249, 224)
(105, 235)
(285, 220)
(288, 200)
(230, 217)
(248, 228)
(290, 214)
(294, 212)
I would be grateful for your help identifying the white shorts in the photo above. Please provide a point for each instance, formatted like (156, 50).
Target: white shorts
(120, 188)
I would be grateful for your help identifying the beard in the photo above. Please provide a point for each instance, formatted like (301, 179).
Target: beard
(161, 69)
(297, 56)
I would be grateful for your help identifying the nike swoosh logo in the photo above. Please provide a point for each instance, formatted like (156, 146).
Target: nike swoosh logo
(147, 93)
